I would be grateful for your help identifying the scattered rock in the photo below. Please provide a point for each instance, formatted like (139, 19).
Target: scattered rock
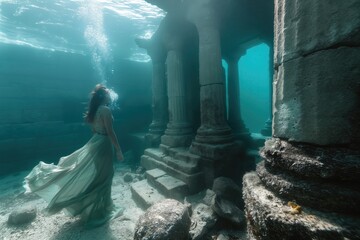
(22, 215)
(228, 210)
(204, 197)
(166, 220)
(128, 177)
(140, 170)
(222, 237)
(228, 200)
(203, 220)
(228, 189)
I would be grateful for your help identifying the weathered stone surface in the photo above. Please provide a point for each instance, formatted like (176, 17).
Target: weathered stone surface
(227, 189)
(128, 177)
(203, 197)
(215, 151)
(22, 215)
(317, 98)
(228, 210)
(312, 161)
(305, 26)
(269, 217)
(336, 197)
(203, 220)
(144, 194)
(165, 220)
(228, 200)
(189, 173)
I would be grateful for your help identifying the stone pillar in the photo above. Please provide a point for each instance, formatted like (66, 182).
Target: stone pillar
(311, 165)
(214, 141)
(234, 113)
(214, 128)
(159, 95)
(267, 130)
(179, 130)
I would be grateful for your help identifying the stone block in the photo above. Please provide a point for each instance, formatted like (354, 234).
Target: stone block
(177, 141)
(330, 197)
(306, 26)
(172, 187)
(317, 98)
(313, 162)
(269, 217)
(144, 194)
(214, 151)
(165, 220)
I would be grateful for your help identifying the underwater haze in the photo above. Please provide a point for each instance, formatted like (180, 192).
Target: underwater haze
(52, 53)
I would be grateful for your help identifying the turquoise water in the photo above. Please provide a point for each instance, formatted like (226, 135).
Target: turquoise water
(52, 53)
(254, 87)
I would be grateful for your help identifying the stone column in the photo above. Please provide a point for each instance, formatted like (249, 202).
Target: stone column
(267, 130)
(313, 159)
(179, 130)
(159, 94)
(214, 128)
(234, 116)
(214, 140)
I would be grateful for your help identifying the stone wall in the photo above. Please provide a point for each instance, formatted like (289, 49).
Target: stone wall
(317, 74)
(42, 98)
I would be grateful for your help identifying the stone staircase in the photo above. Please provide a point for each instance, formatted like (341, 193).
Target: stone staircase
(171, 173)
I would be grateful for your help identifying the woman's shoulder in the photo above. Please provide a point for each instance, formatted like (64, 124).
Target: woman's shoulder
(104, 109)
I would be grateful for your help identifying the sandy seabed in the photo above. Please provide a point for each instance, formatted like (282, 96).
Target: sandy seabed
(60, 226)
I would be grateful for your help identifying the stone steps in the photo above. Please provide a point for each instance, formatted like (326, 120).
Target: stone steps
(154, 153)
(180, 160)
(167, 185)
(193, 179)
(144, 194)
(157, 186)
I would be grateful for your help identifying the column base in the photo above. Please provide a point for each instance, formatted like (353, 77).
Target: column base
(157, 128)
(308, 173)
(152, 140)
(212, 151)
(177, 140)
(270, 217)
(229, 160)
(209, 135)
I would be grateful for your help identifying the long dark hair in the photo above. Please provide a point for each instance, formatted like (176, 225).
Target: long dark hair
(97, 97)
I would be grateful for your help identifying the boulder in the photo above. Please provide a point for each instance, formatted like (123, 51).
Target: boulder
(203, 220)
(166, 220)
(22, 215)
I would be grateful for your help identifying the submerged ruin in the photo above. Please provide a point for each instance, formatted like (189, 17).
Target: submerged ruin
(181, 112)
(306, 184)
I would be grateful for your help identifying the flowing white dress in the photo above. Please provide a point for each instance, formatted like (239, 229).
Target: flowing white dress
(81, 182)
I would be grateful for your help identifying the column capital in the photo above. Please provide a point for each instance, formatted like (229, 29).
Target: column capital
(234, 55)
(173, 42)
(204, 13)
(153, 48)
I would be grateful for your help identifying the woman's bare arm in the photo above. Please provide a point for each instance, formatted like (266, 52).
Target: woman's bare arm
(108, 122)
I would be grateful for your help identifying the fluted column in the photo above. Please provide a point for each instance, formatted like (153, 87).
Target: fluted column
(267, 130)
(214, 128)
(159, 94)
(179, 130)
(234, 116)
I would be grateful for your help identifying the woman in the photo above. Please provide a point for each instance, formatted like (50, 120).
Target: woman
(81, 182)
